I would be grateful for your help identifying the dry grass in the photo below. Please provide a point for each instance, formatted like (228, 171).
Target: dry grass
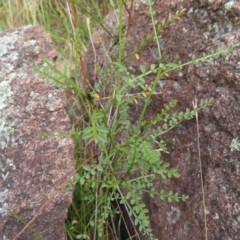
(52, 16)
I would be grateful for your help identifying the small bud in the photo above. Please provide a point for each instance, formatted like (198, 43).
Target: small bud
(97, 96)
(166, 74)
(137, 56)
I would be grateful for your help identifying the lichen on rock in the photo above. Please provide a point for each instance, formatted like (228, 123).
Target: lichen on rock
(32, 169)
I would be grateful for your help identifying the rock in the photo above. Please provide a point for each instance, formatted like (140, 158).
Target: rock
(206, 25)
(33, 170)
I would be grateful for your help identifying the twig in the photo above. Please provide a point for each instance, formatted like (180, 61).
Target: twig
(201, 174)
(129, 15)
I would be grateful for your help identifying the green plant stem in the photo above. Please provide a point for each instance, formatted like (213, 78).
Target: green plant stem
(120, 41)
(159, 74)
(153, 21)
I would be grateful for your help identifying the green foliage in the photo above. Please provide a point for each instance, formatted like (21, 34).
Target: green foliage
(125, 160)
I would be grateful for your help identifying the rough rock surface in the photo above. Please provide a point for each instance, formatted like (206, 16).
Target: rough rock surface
(32, 169)
(205, 25)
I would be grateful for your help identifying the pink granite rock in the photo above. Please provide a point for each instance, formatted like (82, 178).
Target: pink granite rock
(32, 170)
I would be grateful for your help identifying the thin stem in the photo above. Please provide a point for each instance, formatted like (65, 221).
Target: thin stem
(153, 23)
(201, 174)
(70, 17)
(120, 42)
